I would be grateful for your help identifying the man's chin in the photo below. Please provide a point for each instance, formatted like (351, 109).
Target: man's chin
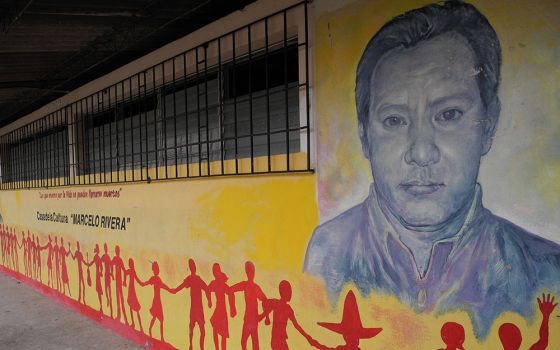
(424, 217)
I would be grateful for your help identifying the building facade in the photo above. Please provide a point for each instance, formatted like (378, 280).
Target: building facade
(248, 163)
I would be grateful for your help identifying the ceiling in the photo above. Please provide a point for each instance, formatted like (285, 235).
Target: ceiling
(50, 47)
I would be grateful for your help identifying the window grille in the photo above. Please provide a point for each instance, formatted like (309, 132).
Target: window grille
(237, 104)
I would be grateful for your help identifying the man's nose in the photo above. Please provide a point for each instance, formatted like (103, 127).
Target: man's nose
(422, 150)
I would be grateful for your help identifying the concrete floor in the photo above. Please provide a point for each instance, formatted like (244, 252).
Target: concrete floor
(30, 321)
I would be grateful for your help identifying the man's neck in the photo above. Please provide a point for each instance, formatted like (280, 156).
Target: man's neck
(421, 240)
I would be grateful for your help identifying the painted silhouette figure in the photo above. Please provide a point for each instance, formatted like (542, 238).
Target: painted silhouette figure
(7, 247)
(453, 335)
(56, 251)
(120, 279)
(15, 254)
(253, 293)
(108, 270)
(39, 262)
(98, 274)
(63, 253)
(131, 298)
(510, 335)
(157, 309)
(79, 257)
(34, 257)
(350, 327)
(3, 244)
(282, 312)
(49, 248)
(29, 255)
(25, 246)
(219, 319)
(197, 286)
(3, 240)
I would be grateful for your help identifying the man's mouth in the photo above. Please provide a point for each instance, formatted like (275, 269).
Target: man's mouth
(418, 188)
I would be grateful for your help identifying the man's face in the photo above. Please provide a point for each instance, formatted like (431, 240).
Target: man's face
(426, 130)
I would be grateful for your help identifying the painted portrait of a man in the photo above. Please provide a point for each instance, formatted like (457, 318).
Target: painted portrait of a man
(427, 104)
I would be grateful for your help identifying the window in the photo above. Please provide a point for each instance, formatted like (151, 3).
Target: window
(33, 157)
(237, 104)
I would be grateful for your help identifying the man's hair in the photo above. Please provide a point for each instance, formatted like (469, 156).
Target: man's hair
(415, 26)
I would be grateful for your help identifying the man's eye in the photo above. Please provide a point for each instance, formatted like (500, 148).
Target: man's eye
(394, 121)
(449, 115)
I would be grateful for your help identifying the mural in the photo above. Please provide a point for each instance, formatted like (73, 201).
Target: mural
(427, 104)
(391, 244)
(350, 327)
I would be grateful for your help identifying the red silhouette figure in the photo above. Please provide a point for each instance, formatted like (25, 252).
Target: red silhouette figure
(50, 276)
(453, 335)
(39, 262)
(350, 327)
(510, 335)
(79, 257)
(108, 270)
(120, 279)
(56, 251)
(282, 313)
(219, 319)
(34, 257)
(3, 244)
(98, 274)
(8, 248)
(132, 299)
(28, 258)
(197, 286)
(253, 293)
(25, 246)
(156, 310)
(16, 254)
(63, 253)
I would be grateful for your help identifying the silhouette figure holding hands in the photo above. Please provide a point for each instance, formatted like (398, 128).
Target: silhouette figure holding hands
(15, 245)
(282, 313)
(38, 257)
(131, 298)
(25, 243)
(98, 274)
(63, 253)
(197, 286)
(219, 319)
(120, 279)
(56, 251)
(79, 257)
(510, 335)
(49, 248)
(453, 335)
(253, 293)
(156, 310)
(28, 244)
(24, 246)
(350, 327)
(107, 266)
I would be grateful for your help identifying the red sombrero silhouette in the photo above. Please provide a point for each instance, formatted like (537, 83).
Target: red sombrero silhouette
(351, 324)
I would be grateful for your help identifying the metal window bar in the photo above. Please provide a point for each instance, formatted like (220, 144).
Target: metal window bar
(247, 107)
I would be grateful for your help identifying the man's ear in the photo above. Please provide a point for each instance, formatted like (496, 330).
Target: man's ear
(362, 130)
(491, 122)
